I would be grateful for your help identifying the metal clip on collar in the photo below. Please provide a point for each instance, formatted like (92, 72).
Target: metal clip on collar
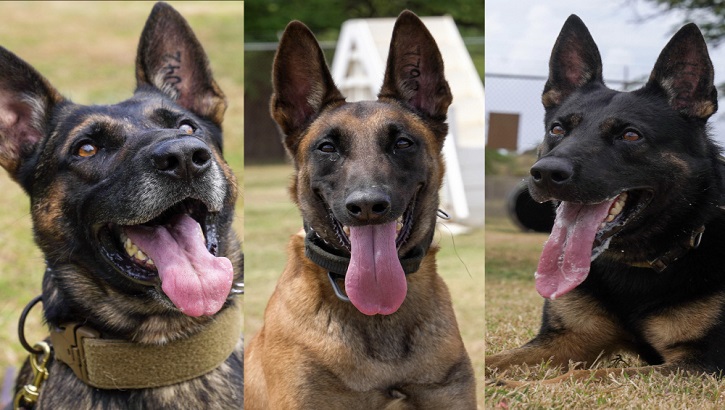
(68, 346)
(39, 357)
(29, 394)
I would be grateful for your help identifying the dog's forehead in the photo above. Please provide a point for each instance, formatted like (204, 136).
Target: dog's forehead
(364, 125)
(365, 119)
(606, 104)
(134, 112)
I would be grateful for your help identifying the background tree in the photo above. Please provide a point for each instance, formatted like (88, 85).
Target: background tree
(266, 19)
(709, 15)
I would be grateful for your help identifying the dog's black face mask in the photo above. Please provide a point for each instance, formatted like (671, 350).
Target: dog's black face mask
(132, 203)
(144, 189)
(625, 167)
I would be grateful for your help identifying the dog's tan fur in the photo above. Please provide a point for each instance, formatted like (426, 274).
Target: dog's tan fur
(314, 350)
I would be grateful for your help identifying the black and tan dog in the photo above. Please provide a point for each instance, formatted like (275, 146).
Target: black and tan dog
(634, 262)
(366, 181)
(132, 205)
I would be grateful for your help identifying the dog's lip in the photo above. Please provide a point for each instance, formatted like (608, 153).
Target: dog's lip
(626, 206)
(114, 248)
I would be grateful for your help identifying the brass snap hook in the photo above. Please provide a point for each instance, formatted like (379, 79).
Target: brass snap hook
(29, 394)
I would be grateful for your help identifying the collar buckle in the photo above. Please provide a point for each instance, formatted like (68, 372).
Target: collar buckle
(68, 346)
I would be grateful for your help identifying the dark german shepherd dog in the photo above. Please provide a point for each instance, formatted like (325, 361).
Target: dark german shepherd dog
(634, 262)
(367, 176)
(132, 205)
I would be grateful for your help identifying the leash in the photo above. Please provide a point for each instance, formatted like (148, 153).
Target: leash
(336, 265)
(120, 364)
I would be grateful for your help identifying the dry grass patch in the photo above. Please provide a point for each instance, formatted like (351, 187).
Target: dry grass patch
(513, 315)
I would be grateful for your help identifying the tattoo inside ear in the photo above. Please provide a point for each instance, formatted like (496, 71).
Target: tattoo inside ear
(170, 70)
(411, 68)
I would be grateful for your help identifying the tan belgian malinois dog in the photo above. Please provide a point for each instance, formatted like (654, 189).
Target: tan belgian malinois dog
(367, 176)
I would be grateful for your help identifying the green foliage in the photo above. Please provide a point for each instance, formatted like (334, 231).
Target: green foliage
(267, 19)
(709, 15)
(508, 163)
(495, 160)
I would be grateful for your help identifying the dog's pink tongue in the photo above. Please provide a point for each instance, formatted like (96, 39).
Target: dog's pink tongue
(567, 254)
(196, 281)
(375, 280)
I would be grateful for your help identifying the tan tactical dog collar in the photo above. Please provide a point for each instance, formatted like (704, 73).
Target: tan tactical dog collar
(120, 364)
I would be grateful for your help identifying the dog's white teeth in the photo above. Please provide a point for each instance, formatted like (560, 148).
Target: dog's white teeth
(140, 255)
(398, 225)
(615, 210)
(346, 229)
(131, 248)
(134, 252)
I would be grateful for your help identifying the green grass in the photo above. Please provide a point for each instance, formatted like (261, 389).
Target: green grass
(513, 314)
(271, 218)
(87, 51)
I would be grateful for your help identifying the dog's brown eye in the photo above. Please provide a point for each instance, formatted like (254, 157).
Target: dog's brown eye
(403, 143)
(186, 128)
(327, 148)
(557, 130)
(87, 150)
(631, 136)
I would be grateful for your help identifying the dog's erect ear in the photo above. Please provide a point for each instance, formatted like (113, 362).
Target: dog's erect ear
(171, 59)
(302, 82)
(26, 101)
(574, 62)
(414, 72)
(684, 72)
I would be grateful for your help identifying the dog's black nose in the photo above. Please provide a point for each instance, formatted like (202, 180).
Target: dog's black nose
(182, 158)
(552, 172)
(368, 206)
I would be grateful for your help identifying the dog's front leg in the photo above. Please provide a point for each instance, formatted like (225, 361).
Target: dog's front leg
(573, 329)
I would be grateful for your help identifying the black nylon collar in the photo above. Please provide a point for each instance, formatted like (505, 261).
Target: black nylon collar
(677, 251)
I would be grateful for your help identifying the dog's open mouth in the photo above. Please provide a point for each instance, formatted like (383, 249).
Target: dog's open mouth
(176, 249)
(375, 280)
(625, 207)
(580, 234)
(403, 228)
